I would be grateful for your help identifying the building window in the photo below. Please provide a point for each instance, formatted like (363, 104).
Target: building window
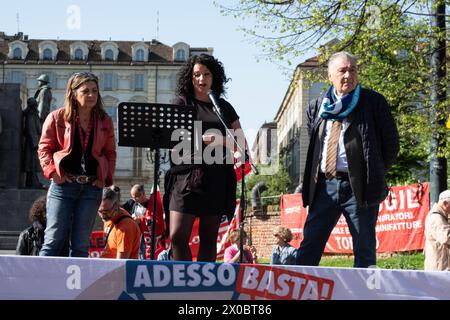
(16, 77)
(112, 112)
(109, 55)
(139, 82)
(108, 82)
(17, 54)
(140, 55)
(79, 54)
(180, 56)
(47, 55)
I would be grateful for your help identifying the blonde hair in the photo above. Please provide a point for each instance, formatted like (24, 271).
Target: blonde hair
(70, 102)
(284, 233)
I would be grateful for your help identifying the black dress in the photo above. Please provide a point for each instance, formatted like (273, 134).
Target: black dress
(204, 189)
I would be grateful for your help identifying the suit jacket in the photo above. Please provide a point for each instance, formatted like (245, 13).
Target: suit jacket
(371, 145)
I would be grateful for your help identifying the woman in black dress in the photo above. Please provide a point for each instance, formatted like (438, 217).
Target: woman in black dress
(204, 189)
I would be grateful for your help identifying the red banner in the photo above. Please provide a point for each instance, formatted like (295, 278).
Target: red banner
(159, 226)
(293, 216)
(400, 225)
(97, 244)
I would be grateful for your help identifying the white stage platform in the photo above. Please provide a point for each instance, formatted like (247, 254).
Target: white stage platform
(45, 278)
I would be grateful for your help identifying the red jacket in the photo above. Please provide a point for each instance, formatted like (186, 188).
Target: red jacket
(57, 140)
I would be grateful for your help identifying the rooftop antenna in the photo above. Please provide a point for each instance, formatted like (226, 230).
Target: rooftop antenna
(157, 25)
(18, 22)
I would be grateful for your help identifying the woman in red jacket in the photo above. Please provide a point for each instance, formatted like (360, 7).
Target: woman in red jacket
(77, 152)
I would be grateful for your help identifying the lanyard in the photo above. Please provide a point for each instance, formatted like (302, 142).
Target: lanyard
(84, 142)
(112, 227)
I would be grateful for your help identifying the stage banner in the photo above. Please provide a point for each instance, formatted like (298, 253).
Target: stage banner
(108, 279)
(400, 225)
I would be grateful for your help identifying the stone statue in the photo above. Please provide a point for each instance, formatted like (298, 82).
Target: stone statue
(33, 128)
(43, 97)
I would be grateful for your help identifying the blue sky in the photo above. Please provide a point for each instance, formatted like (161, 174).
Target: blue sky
(256, 89)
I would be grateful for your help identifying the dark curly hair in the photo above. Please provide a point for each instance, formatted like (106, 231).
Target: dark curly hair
(38, 210)
(184, 85)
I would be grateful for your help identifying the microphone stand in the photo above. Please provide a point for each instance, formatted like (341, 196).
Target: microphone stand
(246, 158)
(155, 190)
(242, 210)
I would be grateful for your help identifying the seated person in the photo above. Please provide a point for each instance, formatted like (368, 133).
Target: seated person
(165, 254)
(122, 233)
(137, 205)
(232, 253)
(31, 239)
(283, 252)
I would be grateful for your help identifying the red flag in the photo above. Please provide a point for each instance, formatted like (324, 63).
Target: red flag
(159, 226)
(238, 170)
(238, 166)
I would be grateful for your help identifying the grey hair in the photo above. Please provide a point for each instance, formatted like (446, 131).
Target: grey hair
(341, 54)
(112, 194)
(139, 188)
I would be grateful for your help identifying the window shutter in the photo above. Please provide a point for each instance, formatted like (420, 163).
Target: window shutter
(115, 83)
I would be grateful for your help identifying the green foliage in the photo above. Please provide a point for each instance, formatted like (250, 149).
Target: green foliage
(393, 46)
(276, 183)
(409, 261)
(402, 260)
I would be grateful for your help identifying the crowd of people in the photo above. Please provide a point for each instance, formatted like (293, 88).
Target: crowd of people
(353, 143)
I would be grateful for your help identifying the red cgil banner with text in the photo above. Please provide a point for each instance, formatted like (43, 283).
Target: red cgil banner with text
(400, 225)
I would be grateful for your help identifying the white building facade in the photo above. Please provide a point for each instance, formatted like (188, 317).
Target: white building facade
(128, 71)
(292, 134)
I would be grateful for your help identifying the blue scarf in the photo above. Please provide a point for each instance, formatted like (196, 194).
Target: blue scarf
(338, 108)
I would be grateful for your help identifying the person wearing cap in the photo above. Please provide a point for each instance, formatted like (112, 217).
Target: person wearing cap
(43, 96)
(437, 235)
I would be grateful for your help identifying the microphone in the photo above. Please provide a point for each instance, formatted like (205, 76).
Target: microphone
(215, 103)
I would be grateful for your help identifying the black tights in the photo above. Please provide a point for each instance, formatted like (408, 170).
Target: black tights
(180, 232)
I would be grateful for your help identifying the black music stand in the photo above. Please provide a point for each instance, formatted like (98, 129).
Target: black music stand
(151, 125)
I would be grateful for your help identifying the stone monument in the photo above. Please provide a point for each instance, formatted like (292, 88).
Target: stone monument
(43, 97)
(15, 201)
